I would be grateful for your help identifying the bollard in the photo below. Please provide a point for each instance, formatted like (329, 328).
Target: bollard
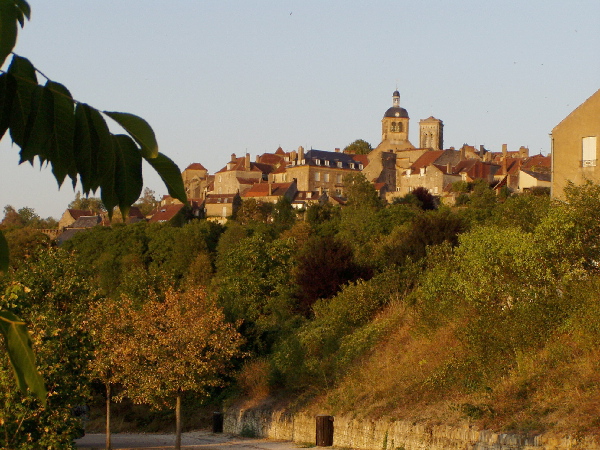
(324, 431)
(217, 422)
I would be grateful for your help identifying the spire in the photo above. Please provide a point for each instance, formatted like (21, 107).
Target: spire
(396, 99)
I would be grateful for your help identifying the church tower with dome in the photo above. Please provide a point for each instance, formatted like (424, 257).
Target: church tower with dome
(394, 125)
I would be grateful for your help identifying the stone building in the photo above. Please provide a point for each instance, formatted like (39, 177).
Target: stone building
(431, 133)
(317, 170)
(196, 180)
(239, 175)
(575, 146)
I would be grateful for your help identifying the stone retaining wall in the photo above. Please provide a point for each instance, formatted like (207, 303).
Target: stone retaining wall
(388, 435)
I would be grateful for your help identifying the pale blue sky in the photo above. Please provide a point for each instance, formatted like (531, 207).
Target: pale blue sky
(221, 77)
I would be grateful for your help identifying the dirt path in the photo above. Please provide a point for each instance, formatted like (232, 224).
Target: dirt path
(192, 440)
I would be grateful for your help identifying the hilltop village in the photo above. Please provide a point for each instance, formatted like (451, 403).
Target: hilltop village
(395, 167)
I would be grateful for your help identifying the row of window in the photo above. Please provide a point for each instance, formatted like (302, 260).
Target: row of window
(339, 164)
(325, 177)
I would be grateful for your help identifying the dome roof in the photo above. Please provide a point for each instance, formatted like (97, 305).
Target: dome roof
(396, 93)
(396, 111)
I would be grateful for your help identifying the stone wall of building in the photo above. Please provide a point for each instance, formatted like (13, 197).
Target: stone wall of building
(388, 434)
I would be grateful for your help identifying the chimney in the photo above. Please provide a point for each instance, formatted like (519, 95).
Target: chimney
(337, 150)
(481, 151)
(448, 168)
(462, 153)
(300, 154)
(233, 157)
(247, 161)
(270, 189)
(504, 150)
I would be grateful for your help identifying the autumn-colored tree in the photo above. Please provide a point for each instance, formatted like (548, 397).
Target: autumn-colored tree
(182, 344)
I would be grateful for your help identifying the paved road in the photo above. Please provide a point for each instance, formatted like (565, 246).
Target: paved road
(193, 440)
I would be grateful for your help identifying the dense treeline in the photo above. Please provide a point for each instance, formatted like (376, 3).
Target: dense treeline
(487, 310)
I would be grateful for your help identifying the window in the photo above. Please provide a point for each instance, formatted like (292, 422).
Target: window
(399, 128)
(589, 155)
(326, 162)
(393, 126)
(338, 179)
(352, 165)
(318, 162)
(422, 172)
(317, 176)
(360, 167)
(326, 177)
(339, 164)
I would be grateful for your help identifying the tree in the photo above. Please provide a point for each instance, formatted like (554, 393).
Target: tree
(325, 264)
(358, 147)
(85, 203)
(147, 202)
(45, 122)
(51, 292)
(183, 344)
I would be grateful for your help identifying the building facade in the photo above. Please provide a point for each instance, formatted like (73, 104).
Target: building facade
(575, 147)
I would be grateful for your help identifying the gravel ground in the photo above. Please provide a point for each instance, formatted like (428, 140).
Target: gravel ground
(191, 440)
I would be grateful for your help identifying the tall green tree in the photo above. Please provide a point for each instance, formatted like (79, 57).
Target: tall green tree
(358, 147)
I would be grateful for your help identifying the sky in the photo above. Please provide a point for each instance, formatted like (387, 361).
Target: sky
(220, 77)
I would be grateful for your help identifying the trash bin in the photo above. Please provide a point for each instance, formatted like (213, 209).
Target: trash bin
(324, 431)
(217, 422)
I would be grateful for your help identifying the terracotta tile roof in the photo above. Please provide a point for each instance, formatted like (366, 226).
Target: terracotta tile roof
(86, 222)
(220, 198)
(281, 169)
(165, 213)
(537, 162)
(262, 190)
(306, 195)
(538, 175)
(134, 211)
(247, 180)
(77, 213)
(271, 159)
(363, 159)
(279, 151)
(476, 169)
(426, 159)
(195, 166)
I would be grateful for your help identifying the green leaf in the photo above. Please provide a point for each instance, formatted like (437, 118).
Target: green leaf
(9, 14)
(20, 353)
(3, 253)
(102, 147)
(63, 133)
(24, 74)
(139, 129)
(23, 11)
(85, 159)
(8, 89)
(171, 176)
(128, 173)
(38, 131)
